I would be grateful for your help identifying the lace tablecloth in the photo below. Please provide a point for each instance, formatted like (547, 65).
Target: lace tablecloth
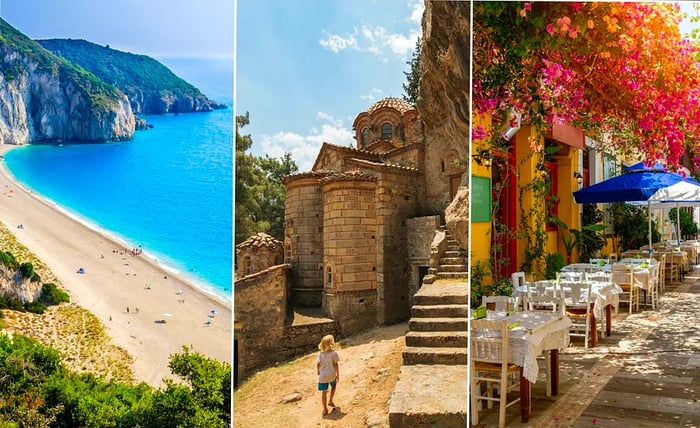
(532, 333)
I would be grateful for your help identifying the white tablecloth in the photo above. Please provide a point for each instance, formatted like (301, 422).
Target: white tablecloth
(535, 333)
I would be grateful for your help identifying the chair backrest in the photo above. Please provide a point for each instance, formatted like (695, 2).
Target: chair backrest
(622, 275)
(499, 303)
(544, 303)
(613, 258)
(576, 294)
(599, 275)
(490, 343)
(518, 279)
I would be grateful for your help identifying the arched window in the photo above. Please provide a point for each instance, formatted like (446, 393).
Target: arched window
(247, 265)
(364, 137)
(386, 131)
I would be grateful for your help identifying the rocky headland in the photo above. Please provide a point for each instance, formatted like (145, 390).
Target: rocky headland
(73, 90)
(151, 87)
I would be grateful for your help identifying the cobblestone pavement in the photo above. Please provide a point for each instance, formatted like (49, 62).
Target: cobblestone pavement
(646, 374)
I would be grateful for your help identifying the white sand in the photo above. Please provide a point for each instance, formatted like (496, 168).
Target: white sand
(115, 282)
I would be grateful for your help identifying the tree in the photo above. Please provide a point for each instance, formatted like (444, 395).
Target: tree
(413, 76)
(620, 71)
(260, 192)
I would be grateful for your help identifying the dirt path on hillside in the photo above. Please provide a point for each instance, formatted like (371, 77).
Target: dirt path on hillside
(369, 367)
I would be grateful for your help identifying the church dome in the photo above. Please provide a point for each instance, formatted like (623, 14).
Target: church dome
(396, 103)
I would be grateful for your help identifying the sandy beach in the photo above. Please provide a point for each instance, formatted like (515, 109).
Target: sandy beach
(114, 285)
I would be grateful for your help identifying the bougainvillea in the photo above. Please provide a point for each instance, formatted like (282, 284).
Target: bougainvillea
(620, 71)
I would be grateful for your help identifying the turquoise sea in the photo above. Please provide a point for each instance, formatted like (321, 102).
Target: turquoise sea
(168, 190)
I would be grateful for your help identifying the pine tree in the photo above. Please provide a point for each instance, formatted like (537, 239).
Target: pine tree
(413, 76)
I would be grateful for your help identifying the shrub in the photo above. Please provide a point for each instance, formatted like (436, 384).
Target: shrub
(26, 269)
(35, 307)
(52, 295)
(554, 263)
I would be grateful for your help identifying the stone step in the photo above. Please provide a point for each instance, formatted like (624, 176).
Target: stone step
(429, 355)
(437, 324)
(452, 268)
(415, 402)
(436, 339)
(452, 275)
(449, 253)
(432, 271)
(440, 311)
(454, 247)
(451, 298)
(454, 260)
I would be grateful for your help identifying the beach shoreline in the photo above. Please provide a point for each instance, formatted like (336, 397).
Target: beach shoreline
(146, 308)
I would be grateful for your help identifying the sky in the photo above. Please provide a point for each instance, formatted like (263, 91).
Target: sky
(157, 28)
(306, 68)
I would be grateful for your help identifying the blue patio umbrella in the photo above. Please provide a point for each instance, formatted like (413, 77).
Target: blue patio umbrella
(652, 186)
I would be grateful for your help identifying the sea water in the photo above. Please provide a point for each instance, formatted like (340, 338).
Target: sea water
(168, 190)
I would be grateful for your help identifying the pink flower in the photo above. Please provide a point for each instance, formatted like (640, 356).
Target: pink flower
(550, 28)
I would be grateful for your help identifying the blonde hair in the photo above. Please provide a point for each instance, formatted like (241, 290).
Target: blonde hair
(327, 343)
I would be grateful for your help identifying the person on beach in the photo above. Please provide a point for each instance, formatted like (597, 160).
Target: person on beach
(327, 370)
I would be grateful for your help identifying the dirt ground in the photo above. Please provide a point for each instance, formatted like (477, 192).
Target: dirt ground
(369, 367)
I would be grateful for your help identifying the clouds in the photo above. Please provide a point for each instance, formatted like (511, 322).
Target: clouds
(374, 94)
(376, 39)
(304, 148)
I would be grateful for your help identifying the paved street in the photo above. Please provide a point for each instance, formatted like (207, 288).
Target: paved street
(646, 374)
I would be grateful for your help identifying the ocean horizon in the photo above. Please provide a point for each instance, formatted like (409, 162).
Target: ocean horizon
(169, 190)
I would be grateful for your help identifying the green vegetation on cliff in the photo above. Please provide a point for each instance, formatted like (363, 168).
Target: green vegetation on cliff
(139, 76)
(102, 95)
(121, 69)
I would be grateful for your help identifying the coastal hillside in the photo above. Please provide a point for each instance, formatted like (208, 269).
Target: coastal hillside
(45, 97)
(151, 87)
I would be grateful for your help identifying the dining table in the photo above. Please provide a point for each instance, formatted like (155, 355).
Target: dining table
(531, 334)
(605, 297)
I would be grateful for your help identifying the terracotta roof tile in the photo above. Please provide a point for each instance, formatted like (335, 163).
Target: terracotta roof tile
(392, 102)
(260, 240)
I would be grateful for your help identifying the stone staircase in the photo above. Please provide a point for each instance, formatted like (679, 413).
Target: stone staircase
(453, 263)
(432, 386)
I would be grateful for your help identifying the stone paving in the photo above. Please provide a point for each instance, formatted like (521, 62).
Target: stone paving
(646, 374)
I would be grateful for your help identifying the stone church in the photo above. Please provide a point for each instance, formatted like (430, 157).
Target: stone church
(358, 232)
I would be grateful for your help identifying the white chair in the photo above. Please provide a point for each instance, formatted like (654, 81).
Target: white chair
(600, 276)
(544, 302)
(499, 303)
(518, 279)
(488, 355)
(623, 275)
(577, 301)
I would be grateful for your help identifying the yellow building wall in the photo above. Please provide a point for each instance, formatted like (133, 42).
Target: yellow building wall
(480, 233)
(526, 165)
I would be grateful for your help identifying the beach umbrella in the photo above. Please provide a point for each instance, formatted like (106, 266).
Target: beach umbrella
(650, 185)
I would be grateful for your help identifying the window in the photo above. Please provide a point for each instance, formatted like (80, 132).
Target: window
(364, 136)
(247, 265)
(330, 275)
(386, 131)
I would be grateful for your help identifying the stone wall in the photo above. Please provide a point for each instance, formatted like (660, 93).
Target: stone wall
(420, 233)
(252, 260)
(397, 200)
(350, 246)
(260, 310)
(354, 310)
(304, 234)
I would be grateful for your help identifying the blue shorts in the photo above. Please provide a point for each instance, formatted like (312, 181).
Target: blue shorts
(324, 386)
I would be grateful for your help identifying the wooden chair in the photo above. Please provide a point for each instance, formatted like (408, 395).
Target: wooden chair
(488, 355)
(623, 276)
(578, 307)
(672, 269)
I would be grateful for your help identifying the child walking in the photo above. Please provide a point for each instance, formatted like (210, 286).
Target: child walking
(327, 370)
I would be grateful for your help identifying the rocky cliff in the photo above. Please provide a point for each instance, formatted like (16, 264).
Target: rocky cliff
(151, 87)
(443, 101)
(43, 97)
